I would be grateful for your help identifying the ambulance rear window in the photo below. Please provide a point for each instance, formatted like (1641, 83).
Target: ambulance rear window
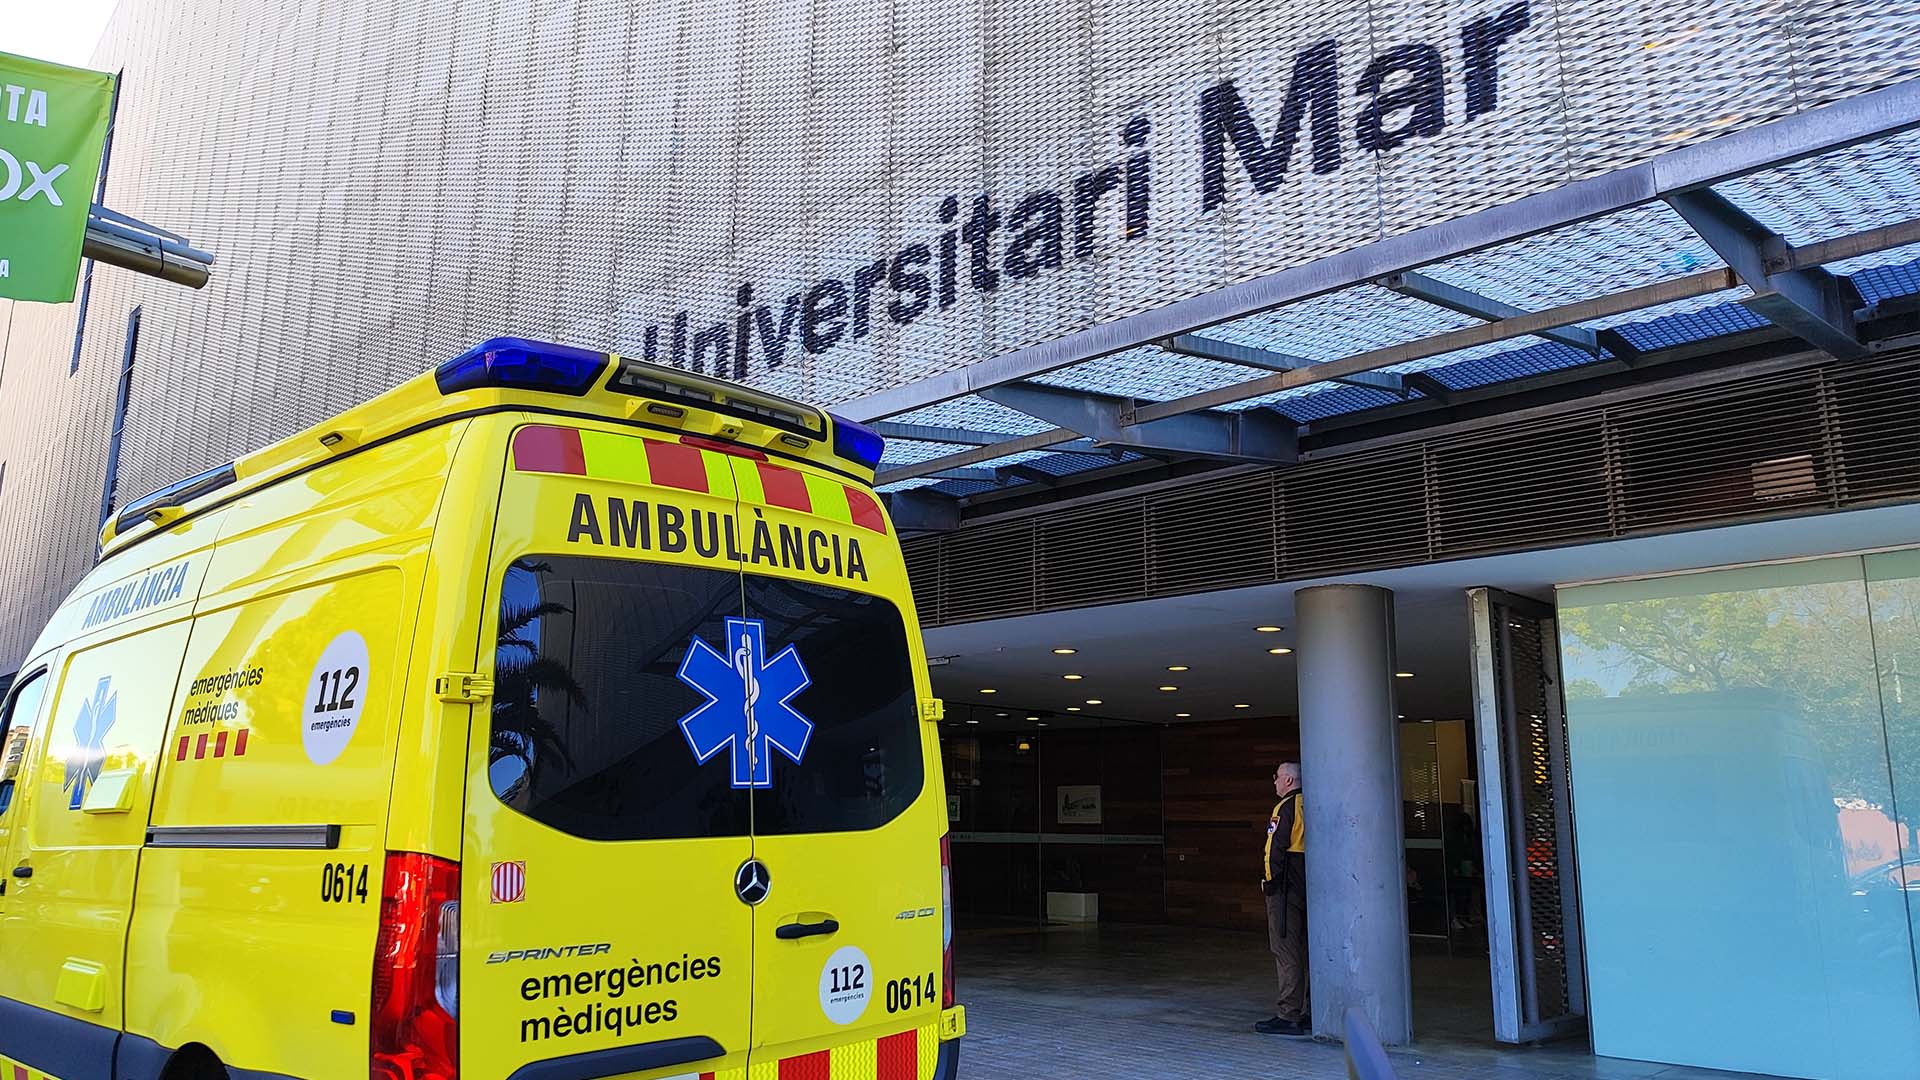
(603, 725)
(862, 764)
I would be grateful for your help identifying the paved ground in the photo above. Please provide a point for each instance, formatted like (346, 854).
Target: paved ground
(1157, 1003)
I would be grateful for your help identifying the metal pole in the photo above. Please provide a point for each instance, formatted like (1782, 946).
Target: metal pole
(147, 255)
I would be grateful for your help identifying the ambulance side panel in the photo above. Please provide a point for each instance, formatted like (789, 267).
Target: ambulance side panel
(23, 1029)
(78, 813)
(256, 915)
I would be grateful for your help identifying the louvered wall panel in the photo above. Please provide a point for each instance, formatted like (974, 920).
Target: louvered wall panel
(1509, 489)
(1094, 556)
(1874, 409)
(1797, 442)
(989, 572)
(924, 575)
(1354, 513)
(1732, 453)
(1217, 537)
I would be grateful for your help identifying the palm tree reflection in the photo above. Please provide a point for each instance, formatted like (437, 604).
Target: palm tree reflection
(521, 673)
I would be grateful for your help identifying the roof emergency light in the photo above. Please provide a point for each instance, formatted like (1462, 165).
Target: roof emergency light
(857, 442)
(519, 364)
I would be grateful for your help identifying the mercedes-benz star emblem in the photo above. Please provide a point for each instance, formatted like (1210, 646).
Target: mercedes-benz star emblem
(750, 882)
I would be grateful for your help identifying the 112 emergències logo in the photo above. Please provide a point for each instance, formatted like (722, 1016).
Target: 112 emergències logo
(53, 123)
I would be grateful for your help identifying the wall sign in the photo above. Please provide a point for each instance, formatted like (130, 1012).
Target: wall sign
(1077, 804)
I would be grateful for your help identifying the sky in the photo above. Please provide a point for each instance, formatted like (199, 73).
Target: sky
(63, 32)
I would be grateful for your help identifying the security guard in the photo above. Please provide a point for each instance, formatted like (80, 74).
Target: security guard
(1285, 884)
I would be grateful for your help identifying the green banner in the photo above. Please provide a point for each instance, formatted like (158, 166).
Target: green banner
(53, 123)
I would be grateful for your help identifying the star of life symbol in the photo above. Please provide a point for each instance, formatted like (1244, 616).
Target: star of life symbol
(89, 738)
(749, 702)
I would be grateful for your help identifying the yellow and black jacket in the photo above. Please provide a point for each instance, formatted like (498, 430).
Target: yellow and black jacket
(1288, 873)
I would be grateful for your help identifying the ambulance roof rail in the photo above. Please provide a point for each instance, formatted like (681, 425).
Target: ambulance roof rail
(513, 363)
(179, 493)
(520, 371)
(642, 379)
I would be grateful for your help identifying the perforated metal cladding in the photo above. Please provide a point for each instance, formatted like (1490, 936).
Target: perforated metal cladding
(1828, 437)
(1538, 767)
(386, 183)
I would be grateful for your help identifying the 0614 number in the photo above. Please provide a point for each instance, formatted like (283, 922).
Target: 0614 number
(341, 882)
(911, 993)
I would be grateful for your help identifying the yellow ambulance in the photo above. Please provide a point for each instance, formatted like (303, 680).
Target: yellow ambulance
(553, 716)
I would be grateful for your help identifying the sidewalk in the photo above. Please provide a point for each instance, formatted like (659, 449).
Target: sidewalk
(1160, 1003)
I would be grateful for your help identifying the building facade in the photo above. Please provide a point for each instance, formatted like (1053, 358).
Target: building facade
(831, 202)
(1168, 310)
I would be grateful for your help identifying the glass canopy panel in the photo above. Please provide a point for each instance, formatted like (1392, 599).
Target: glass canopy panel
(974, 414)
(1639, 246)
(1343, 323)
(1885, 281)
(908, 485)
(910, 451)
(1862, 187)
(1150, 374)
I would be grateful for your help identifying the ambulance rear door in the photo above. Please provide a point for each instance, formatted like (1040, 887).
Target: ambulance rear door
(599, 910)
(848, 818)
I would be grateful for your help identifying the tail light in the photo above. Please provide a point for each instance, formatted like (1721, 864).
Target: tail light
(416, 971)
(946, 906)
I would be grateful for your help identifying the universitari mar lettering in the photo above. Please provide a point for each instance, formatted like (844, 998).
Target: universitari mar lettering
(1404, 92)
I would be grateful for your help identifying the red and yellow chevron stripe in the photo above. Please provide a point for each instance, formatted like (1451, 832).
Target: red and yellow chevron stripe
(691, 463)
(910, 1055)
(13, 1070)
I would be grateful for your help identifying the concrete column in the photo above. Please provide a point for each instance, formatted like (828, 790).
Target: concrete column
(1350, 773)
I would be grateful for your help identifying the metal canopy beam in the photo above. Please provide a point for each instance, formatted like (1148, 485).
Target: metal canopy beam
(1028, 473)
(937, 433)
(1467, 302)
(1255, 435)
(984, 476)
(1682, 288)
(1807, 303)
(1230, 352)
(963, 436)
(1839, 248)
(1428, 386)
(923, 511)
(1854, 120)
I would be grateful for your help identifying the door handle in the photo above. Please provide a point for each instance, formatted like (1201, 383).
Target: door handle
(796, 931)
(23, 871)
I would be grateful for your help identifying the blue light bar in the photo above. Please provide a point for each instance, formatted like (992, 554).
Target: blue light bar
(519, 364)
(857, 442)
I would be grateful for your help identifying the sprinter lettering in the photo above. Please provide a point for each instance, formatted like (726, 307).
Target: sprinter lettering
(712, 534)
